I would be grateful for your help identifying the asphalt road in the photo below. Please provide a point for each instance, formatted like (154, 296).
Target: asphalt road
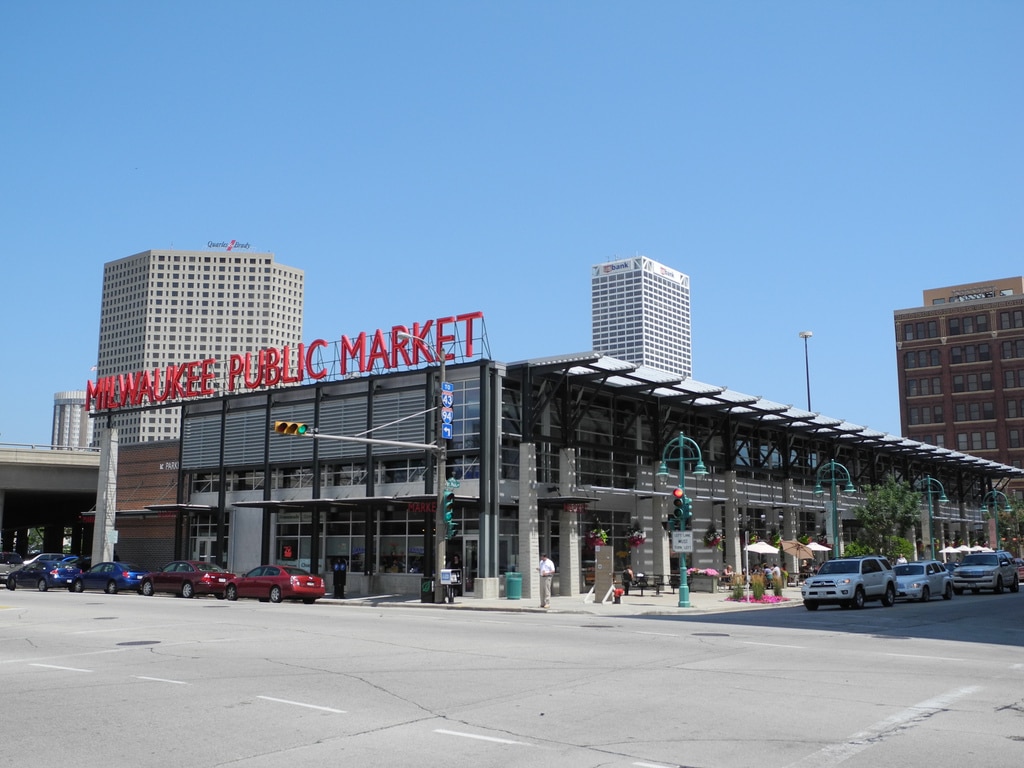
(91, 680)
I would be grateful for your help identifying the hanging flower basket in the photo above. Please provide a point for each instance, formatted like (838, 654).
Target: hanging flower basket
(596, 537)
(636, 535)
(712, 538)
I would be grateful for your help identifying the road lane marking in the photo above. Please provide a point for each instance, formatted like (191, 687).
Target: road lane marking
(66, 669)
(917, 656)
(654, 765)
(302, 704)
(834, 754)
(775, 645)
(160, 680)
(495, 739)
(657, 634)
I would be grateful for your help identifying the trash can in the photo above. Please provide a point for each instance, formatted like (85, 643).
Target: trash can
(426, 589)
(514, 586)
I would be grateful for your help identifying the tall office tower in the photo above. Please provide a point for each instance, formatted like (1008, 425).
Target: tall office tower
(167, 307)
(72, 427)
(960, 359)
(641, 313)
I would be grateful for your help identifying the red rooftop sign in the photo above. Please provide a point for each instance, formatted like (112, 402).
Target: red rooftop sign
(399, 347)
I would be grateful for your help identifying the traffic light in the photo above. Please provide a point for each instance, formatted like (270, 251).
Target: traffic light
(449, 515)
(687, 514)
(291, 428)
(678, 502)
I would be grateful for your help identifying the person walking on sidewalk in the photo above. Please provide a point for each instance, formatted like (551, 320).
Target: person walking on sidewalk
(546, 568)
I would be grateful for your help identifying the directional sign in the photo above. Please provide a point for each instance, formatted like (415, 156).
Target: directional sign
(447, 411)
(447, 399)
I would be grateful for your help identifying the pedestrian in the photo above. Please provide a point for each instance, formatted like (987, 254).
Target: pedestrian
(546, 568)
(901, 560)
(627, 579)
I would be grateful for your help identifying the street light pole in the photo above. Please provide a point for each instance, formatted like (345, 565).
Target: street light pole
(929, 490)
(835, 471)
(805, 335)
(680, 444)
(992, 498)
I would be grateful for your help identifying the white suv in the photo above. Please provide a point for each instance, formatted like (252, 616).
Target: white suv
(986, 570)
(850, 582)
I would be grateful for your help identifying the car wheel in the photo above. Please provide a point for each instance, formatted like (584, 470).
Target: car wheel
(11, 585)
(311, 600)
(187, 590)
(77, 586)
(42, 586)
(947, 593)
(926, 595)
(810, 606)
(889, 598)
(998, 589)
(111, 587)
(858, 598)
(275, 594)
(147, 588)
(231, 593)
(1015, 587)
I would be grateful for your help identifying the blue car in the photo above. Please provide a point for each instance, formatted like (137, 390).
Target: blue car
(44, 574)
(110, 577)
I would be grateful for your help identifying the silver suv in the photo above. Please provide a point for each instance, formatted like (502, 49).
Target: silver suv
(850, 582)
(986, 570)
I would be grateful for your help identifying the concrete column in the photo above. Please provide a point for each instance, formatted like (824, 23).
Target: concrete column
(569, 566)
(106, 499)
(654, 556)
(529, 523)
(733, 539)
(788, 528)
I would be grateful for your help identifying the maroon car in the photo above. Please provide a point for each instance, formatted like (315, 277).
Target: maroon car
(276, 583)
(187, 578)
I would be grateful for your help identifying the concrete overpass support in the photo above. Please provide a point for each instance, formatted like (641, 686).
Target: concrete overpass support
(106, 499)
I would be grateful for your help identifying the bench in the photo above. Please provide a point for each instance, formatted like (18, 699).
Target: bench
(645, 582)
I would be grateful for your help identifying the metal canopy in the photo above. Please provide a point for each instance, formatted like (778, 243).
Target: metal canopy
(625, 376)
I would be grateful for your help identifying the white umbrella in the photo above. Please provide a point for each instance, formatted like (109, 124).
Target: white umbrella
(948, 551)
(963, 548)
(762, 548)
(818, 547)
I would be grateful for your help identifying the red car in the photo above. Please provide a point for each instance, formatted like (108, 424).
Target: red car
(276, 583)
(187, 578)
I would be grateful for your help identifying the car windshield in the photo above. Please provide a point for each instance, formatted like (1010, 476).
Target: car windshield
(980, 559)
(911, 569)
(840, 566)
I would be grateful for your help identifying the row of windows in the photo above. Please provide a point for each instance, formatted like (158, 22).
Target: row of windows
(956, 326)
(926, 386)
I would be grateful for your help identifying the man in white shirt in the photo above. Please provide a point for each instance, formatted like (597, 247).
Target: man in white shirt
(546, 568)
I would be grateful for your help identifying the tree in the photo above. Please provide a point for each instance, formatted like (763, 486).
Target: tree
(889, 511)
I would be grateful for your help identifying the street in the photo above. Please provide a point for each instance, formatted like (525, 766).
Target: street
(89, 678)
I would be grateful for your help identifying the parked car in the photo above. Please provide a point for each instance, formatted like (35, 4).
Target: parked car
(187, 578)
(43, 574)
(44, 556)
(276, 583)
(10, 561)
(850, 582)
(986, 570)
(1019, 562)
(922, 579)
(82, 561)
(111, 577)
(950, 565)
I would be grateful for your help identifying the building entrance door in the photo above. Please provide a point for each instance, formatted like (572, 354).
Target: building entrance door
(470, 561)
(202, 548)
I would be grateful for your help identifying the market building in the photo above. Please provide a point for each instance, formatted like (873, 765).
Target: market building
(558, 454)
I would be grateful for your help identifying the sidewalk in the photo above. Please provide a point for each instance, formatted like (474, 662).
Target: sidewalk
(665, 604)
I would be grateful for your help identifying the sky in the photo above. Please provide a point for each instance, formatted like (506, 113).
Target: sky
(810, 165)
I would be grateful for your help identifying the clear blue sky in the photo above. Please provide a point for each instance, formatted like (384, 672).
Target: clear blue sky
(811, 165)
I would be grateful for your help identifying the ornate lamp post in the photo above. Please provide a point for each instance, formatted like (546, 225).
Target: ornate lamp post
(834, 472)
(992, 499)
(686, 450)
(930, 486)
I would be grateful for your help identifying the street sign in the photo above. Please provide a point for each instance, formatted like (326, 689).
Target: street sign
(447, 410)
(682, 541)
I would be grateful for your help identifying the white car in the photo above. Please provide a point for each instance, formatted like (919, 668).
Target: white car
(849, 582)
(922, 580)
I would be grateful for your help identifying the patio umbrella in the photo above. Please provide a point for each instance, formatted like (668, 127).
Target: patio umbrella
(797, 549)
(818, 547)
(762, 548)
(948, 551)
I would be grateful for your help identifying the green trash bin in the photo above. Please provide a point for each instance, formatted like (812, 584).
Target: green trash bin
(426, 589)
(514, 586)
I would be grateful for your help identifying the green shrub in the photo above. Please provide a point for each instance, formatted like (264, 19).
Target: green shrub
(757, 585)
(737, 587)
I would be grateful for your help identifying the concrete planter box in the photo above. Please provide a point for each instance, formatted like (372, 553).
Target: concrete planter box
(703, 583)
